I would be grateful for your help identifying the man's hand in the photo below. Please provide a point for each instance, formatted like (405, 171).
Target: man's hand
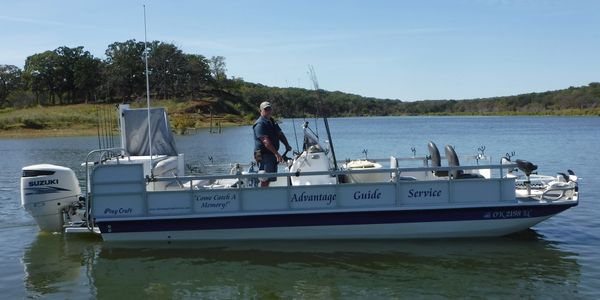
(279, 157)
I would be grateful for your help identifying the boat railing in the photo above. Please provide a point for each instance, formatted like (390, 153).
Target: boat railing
(424, 159)
(231, 192)
(102, 155)
(554, 193)
(396, 191)
(334, 173)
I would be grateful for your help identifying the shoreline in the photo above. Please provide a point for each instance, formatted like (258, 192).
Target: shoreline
(185, 118)
(26, 133)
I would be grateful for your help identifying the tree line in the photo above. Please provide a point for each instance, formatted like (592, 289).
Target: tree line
(73, 75)
(294, 102)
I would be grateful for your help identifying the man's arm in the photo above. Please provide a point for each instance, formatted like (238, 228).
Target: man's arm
(284, 140)
(267, 143)
(281, 136)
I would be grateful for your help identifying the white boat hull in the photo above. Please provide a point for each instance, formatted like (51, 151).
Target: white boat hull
(460, 229)
(437, 223)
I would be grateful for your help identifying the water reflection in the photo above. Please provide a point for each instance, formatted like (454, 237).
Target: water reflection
(53, 263)
(523, 264)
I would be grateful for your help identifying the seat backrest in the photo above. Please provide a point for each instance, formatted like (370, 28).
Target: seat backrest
(526, 166)
(393, 165)
(435, 155)
(452, 160)
(436, 161)
(451, 156)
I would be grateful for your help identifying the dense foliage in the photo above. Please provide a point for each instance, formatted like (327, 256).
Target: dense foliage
(72, 75)
(300, 102)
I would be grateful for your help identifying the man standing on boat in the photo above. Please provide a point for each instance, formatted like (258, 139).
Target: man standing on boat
(267, 135)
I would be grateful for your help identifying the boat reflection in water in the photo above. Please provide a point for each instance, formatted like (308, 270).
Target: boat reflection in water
(523, 264)
(55, 265)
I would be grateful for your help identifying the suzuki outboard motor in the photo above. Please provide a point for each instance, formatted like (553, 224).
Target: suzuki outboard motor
(46, 191)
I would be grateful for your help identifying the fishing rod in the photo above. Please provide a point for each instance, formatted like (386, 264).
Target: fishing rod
(287, 94)
(98, 126)
(313, 78)
(105, 125)
(111, 127)
(317, 111)
(295, 135)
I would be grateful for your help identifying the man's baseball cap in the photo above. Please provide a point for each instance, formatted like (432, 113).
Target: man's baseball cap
(265, 105)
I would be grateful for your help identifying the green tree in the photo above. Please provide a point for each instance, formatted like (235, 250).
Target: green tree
(125, 68)
(10, 81)
(167, 65)
(218, 68)
(65, 72)
(197, 72)
(40, 74)
(88, 75)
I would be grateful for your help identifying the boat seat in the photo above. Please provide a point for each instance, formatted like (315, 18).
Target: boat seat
(453, 162)
(205, 184)
(526, 166)
(165, 166)
(176, 185)
(196, 184)
(436, 161)
(394, 175)
(393, 165)
(225, 183)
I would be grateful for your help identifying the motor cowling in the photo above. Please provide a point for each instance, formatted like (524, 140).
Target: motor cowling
(46, 191)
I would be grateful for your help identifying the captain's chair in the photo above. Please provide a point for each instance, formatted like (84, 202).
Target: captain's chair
(453, 162)
(393, 165)
(435, 159)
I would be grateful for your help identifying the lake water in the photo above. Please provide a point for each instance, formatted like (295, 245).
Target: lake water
(557, 259)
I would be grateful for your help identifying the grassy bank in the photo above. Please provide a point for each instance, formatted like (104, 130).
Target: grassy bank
(71, 120)
(83, 119)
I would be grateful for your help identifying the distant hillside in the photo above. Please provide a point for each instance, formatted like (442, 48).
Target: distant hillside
(196, 90)
(583, 100)
(297, 102)
(238, 102)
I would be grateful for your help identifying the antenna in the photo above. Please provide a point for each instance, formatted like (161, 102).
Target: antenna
(147, 90)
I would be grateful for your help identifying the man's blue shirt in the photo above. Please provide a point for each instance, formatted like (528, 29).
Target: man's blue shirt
(266, 127)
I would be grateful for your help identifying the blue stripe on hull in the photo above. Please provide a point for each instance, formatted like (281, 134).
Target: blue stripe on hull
(332, 218)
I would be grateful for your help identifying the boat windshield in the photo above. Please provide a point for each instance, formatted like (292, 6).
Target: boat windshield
(311, 141)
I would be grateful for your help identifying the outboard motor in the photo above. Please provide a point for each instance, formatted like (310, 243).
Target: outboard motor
(46, 191)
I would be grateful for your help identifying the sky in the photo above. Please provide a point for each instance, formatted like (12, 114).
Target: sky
(406, 50)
